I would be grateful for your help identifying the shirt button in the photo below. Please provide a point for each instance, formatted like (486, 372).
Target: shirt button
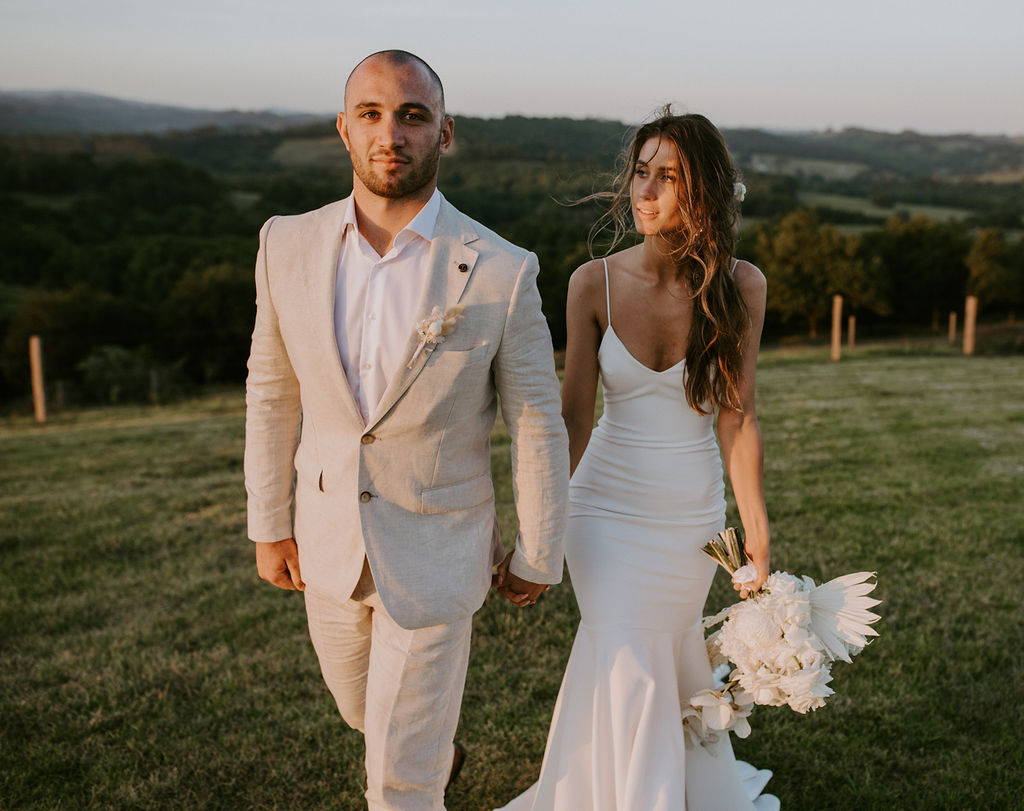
(365, 496)
(366, 366)
(368, 439)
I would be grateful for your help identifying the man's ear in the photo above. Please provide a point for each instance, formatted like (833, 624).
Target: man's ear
(339, 124)
(447, 132)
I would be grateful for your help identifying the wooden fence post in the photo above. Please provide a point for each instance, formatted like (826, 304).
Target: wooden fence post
(952, 326)
(851, 331)
(35, 360)
(970, 321)
(837, 327)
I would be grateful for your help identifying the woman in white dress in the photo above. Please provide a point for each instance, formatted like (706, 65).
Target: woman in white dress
(671, 327)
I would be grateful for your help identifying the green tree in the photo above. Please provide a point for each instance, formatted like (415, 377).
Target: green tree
(1015, 264)
(208, 321)
(989, 274)
(114, 373)
(922, 262)
(806, 263)
(70, 322)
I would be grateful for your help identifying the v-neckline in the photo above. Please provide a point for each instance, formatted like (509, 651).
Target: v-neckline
(632, 357)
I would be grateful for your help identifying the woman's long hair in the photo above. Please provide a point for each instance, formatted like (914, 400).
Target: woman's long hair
(702, 248)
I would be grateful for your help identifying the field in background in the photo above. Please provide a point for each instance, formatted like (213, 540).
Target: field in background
(861, 205)
(145, 666)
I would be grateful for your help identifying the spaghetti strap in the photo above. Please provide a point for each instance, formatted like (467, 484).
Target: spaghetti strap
(732, 270)
(607, 291)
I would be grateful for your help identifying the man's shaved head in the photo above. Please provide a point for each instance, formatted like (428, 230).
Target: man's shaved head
(394, 125)
(401, 58)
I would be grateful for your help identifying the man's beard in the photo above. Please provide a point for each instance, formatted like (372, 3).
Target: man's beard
(396, 187)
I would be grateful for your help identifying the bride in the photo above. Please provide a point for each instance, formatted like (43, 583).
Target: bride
(671, 327)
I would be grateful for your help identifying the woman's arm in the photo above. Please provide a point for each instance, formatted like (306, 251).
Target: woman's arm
(740, 435)
(583, 330)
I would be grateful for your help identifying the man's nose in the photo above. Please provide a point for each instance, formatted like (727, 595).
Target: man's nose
(393, 132)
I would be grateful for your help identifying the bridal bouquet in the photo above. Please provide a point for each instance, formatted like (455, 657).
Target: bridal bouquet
(782, 641)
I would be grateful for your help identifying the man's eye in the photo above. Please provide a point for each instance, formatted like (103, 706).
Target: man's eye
(371, 114)
(413, 116)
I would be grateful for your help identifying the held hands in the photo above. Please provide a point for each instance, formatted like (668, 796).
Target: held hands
(515, 589)
(278, 564)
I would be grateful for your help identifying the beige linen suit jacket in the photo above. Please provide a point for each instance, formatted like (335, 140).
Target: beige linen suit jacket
(416, 476)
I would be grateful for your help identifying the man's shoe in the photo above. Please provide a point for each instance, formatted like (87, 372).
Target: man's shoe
(457, 760)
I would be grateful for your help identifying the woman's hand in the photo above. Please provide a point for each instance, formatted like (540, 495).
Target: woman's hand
(760, 562)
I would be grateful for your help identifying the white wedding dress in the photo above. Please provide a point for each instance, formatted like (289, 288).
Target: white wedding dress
(646, 496)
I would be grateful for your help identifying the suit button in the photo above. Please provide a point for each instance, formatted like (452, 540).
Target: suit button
(368, 439)
(463, 267)
(365, 496)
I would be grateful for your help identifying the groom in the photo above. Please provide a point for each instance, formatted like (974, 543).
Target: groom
(367, 457)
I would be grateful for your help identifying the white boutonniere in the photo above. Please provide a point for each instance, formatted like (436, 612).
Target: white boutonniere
(434, 329)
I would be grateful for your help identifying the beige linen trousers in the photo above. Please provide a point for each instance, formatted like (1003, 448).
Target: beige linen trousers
(415, 476)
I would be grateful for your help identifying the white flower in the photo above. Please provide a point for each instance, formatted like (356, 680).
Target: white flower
(693, 726)
(739, 191)
(783, 641)
(756, 628)
(712, 711)
(745, 574)
(715, 655)
(433, 330)
(840, 616)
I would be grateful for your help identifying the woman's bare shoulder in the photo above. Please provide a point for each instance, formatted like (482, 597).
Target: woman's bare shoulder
(749, 277)
(589, 274)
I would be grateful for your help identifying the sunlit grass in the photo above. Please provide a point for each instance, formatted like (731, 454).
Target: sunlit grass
(145, 666)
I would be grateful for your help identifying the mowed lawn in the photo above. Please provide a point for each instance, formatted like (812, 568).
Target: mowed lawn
(144, 666)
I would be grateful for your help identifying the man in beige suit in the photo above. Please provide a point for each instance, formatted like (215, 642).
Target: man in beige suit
(367, 458)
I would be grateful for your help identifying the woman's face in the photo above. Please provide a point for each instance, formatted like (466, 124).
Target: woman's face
(654, 192)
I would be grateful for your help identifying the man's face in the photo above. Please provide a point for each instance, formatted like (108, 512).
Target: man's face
(394, 127)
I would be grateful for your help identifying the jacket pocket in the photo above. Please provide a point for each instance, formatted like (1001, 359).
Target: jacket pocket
(468, 355)
(458, 496)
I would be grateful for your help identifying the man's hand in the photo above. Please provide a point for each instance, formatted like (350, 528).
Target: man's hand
(519, 591)
(278, 564)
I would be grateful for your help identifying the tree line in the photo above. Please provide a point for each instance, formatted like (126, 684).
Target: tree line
(138, 274)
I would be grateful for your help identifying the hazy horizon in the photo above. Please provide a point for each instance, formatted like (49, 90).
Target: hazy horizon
(458, 114)
(795, 65)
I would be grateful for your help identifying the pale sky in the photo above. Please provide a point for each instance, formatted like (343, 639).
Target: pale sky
(883, 64)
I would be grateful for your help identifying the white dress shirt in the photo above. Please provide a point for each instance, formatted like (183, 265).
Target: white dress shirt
(376, 298)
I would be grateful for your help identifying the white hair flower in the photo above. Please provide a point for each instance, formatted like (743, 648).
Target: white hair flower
(739, 191)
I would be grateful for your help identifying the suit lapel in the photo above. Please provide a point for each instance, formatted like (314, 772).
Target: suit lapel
(323, 253)
(443, 288)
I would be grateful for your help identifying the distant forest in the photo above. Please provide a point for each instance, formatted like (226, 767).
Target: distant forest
(131, 255)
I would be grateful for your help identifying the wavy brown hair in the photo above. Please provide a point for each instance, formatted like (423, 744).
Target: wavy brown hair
(702, 248)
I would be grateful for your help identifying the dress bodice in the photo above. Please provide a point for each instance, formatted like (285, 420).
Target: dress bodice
(642, 406)
(645, 407)
(651, 454)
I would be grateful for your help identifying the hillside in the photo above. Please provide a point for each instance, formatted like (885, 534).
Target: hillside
(113, 241)
(232, 140)
(64, 112)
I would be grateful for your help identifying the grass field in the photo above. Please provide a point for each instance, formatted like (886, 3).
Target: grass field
(862, 205)
(144, 666)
